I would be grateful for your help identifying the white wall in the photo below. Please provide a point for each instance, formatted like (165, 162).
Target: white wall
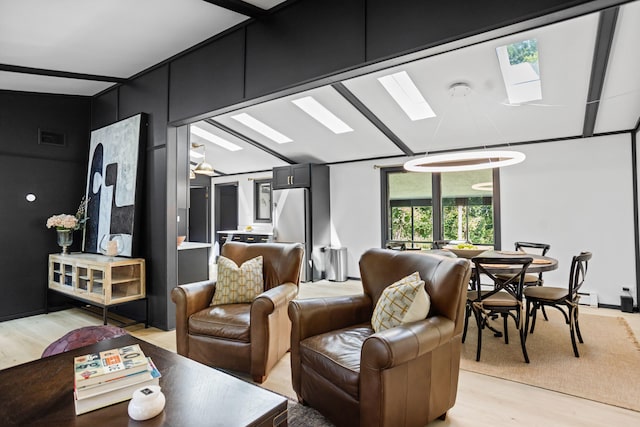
(576, 195)
(355, 208)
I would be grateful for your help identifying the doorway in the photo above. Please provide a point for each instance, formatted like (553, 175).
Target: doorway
(225, 207)
(199, 216)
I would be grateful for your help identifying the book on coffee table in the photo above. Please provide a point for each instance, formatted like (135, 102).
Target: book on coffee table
(116, 391)
(115, 383)
(96, 368)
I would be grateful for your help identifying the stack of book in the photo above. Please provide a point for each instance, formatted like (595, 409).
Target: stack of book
(109, 377)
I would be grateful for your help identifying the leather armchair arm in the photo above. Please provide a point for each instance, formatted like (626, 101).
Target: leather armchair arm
(316, 316)
(272, 299)
(189, 299)
(395, 346)
(270, 328)
(389, 362)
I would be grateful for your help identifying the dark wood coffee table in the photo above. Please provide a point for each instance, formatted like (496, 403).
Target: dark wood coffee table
(40, 393)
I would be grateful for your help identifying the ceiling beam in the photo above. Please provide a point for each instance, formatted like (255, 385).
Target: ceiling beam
(249, 141)
(63, 74)
(353, 100)
(240, 7)
(602, 49)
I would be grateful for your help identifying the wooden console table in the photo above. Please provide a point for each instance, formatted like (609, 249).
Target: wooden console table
(99, 280)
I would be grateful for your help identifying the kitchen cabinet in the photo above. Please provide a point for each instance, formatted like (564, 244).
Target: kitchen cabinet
(193, 262)
(293, 176)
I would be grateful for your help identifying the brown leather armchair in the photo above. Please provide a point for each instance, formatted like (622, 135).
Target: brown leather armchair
(241, 337)
(403, 376)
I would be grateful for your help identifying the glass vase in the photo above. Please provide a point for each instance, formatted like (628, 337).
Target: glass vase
(65, 239)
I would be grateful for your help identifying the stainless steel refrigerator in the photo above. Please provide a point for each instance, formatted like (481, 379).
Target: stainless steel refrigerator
(302, 213)
(292, 223)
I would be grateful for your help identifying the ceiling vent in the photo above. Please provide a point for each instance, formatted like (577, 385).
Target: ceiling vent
(47, 137)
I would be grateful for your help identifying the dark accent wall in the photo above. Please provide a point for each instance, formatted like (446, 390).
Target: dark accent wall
(104, 109)
(208, 78)
(147, 94)
(302, 42)
(55, 174)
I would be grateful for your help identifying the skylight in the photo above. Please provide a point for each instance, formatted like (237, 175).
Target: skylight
(213, 138)
(520, 68)
(404, 91)
(319, 112)
(261, 128)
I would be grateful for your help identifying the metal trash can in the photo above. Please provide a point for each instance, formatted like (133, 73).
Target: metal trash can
(336, 264)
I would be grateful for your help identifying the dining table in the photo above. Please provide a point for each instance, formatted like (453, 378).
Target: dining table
(539, 264)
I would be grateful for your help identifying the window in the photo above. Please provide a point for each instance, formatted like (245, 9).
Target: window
(262, 200)
(467, 206)
(519, 64)
(410, 209)
(422, 207)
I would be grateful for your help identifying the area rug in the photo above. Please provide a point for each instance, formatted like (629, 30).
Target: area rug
(607, 371)
(305, 416)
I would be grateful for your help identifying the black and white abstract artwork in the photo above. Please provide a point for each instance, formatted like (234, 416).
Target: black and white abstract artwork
(113, 183)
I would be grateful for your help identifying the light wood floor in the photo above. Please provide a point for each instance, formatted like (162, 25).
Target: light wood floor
(482, 400)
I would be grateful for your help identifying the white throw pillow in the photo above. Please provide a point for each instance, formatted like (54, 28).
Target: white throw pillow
(402, 302)
(238, 284)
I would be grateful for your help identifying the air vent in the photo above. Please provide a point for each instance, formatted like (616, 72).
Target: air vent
(47, 137)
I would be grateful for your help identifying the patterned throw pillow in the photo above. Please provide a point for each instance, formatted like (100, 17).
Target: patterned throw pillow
(238, 284)
(403, 302)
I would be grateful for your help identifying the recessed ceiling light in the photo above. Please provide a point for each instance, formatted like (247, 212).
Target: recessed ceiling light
(406, 94)
(319, 112)
(261, 128)
(215, 139)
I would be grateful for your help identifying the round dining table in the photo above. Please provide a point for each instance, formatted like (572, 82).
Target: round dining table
(538, 265)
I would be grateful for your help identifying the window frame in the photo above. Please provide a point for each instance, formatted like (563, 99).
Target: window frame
(436, 204)
(257, 195)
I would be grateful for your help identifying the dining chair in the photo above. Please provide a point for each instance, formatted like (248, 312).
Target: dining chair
(534, 249)
(560, 298)
(505, 299)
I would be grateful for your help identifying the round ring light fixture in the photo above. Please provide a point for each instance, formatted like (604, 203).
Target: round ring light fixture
(464, 161)
(483, 186)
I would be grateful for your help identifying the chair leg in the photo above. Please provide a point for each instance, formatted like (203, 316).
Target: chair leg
(572, 330)
(467, 314)
(527, 315)
(506, 332)
(523, 344)
(534, 311)
(578, 326)
(479, 321)
(544, 313)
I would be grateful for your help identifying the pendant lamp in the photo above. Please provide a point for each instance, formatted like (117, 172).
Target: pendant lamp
(464, 160)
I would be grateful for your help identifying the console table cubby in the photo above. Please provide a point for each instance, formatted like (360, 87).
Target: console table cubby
(98, 280)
